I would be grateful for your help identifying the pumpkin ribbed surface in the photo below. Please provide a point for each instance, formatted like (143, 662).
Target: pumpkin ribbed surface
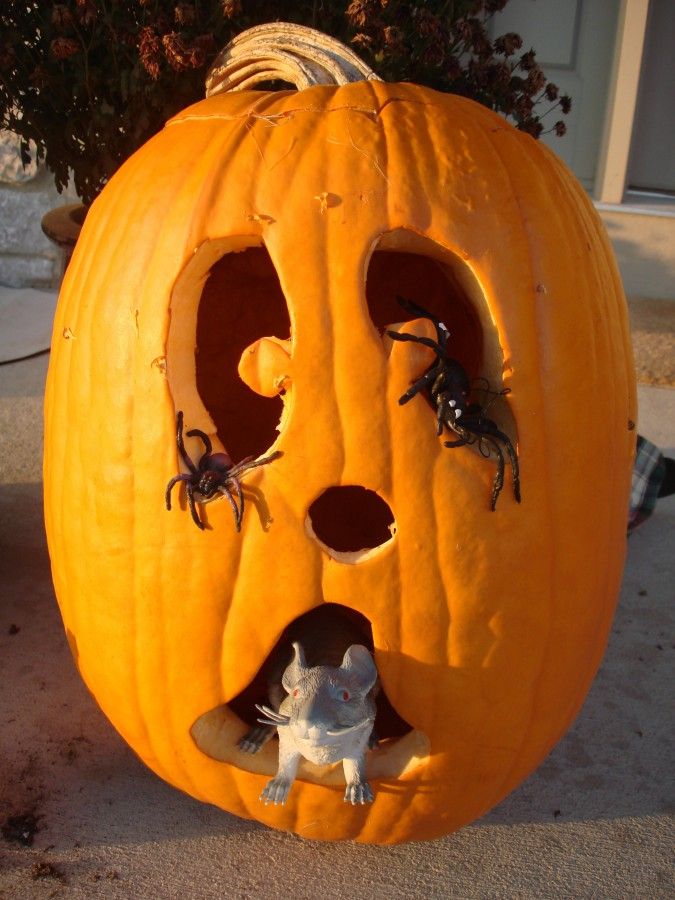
(488, 626)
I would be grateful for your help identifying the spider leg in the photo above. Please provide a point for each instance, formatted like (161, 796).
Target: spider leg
(238, 513)
(442, 332)
(417, 339)
(195, 432)
(499, 478)
(438, 383)
(469, 436)
(412, 307)
(240, 497)
(241, 466)
(494, 396)
(170, 485)
(252, 463)
(181, 446)
(489, 428)
(417, 386)
(190, 491)
(498, 483)
(513, 457)
(447, 415)
(233, 477)
(239, 510)
(465, 434)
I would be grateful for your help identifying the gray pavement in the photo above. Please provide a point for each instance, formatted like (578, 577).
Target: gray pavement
(81, 817)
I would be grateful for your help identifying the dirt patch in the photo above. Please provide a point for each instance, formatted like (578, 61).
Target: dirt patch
(21, 828)
(47, 870)
(653, 334)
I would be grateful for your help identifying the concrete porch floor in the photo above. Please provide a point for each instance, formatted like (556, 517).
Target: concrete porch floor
(81, 817)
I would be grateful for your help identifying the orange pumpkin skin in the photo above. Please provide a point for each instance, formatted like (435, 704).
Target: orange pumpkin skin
(488, 626)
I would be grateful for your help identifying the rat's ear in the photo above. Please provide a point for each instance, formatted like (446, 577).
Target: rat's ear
(358, 663)
(294, 671)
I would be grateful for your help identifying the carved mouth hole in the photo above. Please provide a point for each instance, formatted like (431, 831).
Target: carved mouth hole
(325, 633)
(351, 519)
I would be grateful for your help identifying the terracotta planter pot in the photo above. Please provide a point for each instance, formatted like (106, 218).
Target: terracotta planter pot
(62, 225)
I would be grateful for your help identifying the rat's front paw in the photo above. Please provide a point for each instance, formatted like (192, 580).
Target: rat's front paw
(276, 791)
(255, 739)
(359, 792)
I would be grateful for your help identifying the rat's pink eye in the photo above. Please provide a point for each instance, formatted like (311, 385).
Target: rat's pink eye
(345, 695)
(296, 692)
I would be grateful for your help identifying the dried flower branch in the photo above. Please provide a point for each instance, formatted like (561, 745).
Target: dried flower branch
(89, 81)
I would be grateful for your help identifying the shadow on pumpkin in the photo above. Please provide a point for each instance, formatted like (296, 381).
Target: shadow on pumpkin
(254, 498)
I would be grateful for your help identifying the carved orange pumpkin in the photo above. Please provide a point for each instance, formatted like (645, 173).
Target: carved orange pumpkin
(270, 233)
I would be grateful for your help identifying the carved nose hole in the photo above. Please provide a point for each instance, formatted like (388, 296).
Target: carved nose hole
(350, 522)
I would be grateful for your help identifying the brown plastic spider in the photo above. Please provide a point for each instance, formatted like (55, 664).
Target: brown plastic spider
(213, 474)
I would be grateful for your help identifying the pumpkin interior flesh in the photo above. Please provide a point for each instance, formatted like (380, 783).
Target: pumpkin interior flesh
(218, 730)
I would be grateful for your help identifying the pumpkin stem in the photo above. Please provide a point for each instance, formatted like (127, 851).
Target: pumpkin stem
(282, 51)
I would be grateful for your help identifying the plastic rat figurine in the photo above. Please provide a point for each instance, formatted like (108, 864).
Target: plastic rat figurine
(326, 715)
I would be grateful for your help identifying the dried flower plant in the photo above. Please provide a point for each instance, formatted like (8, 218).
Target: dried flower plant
(89, 81)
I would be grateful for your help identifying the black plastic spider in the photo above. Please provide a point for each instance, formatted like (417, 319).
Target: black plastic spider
(449, 387)
(214, 474)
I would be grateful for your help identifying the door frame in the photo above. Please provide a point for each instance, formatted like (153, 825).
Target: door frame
(610, 182)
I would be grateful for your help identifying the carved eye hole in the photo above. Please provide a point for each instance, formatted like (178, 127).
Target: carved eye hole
(296, 692)
(344, 695)
(246, 422)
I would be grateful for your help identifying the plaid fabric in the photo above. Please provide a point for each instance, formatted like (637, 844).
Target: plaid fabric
(648, 473)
